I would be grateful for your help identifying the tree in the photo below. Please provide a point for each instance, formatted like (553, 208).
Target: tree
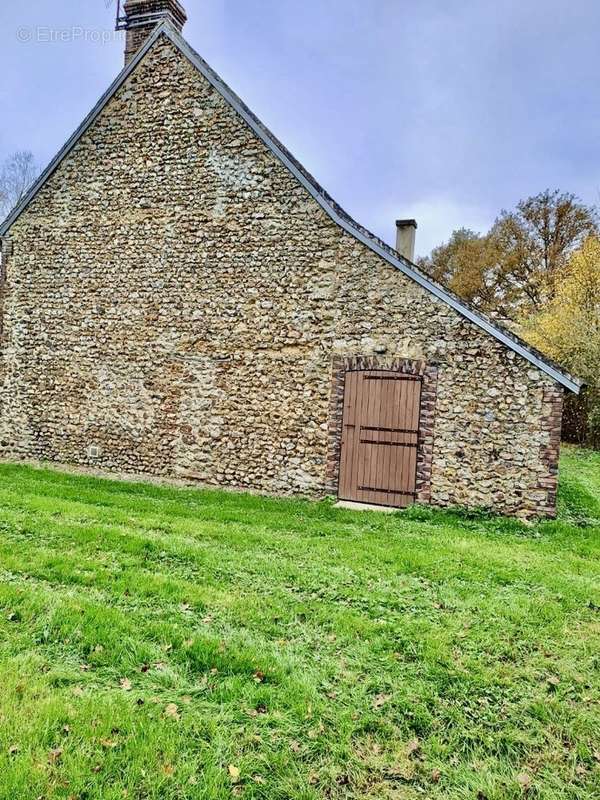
(568, 330)
(513, 269)
(536, 241)
(467, 264)
(17, 174)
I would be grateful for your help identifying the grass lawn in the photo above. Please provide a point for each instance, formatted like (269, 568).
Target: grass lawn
(165, 643)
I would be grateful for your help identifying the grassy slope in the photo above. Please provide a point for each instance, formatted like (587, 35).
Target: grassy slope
(150, 638)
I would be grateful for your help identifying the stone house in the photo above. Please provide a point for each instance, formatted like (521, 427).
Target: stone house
(179, 297)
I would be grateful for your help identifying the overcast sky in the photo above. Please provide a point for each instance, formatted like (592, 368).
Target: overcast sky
(445, 110)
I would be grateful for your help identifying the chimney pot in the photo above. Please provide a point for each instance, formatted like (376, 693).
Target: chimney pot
(406, 230)
(142, 17)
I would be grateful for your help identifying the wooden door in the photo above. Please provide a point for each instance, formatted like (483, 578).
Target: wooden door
(380, 438)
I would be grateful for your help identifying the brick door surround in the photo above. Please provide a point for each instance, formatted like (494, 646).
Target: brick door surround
(428, 371)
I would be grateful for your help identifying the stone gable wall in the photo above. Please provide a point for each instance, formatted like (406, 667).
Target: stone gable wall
(176, 304)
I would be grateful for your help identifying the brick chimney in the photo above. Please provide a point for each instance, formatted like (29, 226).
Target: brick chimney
(406, 231)
(142, 16)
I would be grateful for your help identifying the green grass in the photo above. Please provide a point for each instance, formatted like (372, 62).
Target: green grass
(164, 643)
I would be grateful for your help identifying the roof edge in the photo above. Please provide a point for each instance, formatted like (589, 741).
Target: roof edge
(326, 202)
(76, 136)
(362, 234)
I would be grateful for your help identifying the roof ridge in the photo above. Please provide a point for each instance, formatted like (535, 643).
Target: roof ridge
(325, 200)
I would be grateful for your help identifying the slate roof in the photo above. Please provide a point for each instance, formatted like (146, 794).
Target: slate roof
(336, 213)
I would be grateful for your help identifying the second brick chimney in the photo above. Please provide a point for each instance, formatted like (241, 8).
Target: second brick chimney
(142, 16)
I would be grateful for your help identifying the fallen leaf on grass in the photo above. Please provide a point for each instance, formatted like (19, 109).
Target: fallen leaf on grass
(54, 756)
(436, 775)
(125, 684)
(258, 711)
(108, 743)
(234, 773)
(316, 732)
(413, 747)
(381, 700)
(172, 711)
(553, 681)
(524, 781)
(259, 676)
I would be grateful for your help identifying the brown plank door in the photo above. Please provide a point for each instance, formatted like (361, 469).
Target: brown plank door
(380, 438)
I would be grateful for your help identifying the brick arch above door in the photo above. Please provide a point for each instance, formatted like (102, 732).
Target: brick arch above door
(341, 365)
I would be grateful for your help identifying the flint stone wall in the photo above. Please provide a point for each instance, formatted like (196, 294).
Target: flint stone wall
(175, 304)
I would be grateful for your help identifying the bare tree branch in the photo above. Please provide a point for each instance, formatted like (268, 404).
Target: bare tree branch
(17, 174)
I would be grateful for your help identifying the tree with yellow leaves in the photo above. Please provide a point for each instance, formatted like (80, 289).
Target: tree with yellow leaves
(568, 330)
